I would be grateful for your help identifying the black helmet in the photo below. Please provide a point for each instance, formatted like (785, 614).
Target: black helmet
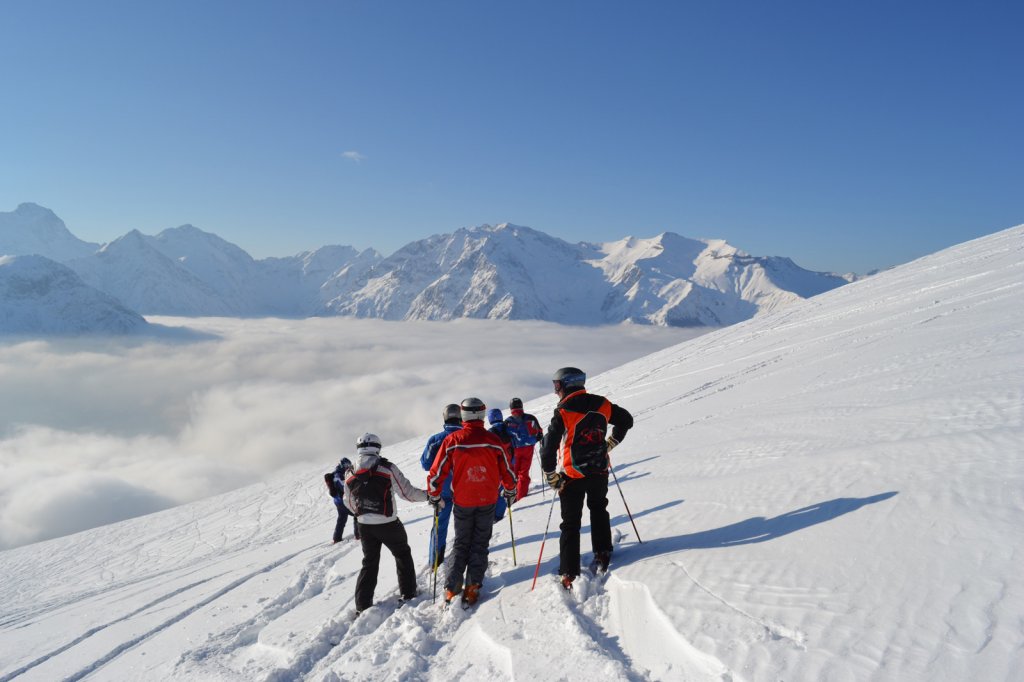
(451, 413)
(515, 404)
(345, 463)
(473, 408)
(568, 377)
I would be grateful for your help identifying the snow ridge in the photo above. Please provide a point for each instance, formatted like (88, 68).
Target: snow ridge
(502, 272)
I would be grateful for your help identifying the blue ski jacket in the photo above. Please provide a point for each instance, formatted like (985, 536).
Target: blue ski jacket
(430, 453)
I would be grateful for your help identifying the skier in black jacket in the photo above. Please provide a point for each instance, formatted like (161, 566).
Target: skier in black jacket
(336, 488)
(577, 439)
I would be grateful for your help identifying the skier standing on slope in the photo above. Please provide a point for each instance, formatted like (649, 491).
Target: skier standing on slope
(452, 422)
(336, 487)
(526, 431)
(479, 464)
(577, 440)
(369, 493)
(501, 430)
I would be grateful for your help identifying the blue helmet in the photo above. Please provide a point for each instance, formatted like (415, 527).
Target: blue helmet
(494, 416)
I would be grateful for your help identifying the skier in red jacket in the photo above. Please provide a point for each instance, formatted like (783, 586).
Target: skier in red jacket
(480, 466)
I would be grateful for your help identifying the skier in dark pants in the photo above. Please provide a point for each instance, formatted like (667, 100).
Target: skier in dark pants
(577, 439)
(369, 492)
(452, 422)
(500, 429)
(336, 487)
(479, 462)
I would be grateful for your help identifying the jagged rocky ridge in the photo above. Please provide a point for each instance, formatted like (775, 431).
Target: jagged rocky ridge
(498, 272)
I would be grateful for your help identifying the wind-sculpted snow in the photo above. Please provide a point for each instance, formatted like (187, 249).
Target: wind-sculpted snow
(829, 492)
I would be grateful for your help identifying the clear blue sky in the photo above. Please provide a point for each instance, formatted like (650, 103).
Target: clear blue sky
(846, 135)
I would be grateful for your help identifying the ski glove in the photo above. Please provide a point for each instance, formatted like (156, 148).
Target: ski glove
(555, 480)
(337, 500)
(436, 502)
(611, 443)
(509, 495)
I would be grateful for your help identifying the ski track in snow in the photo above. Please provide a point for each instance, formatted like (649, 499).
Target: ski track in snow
(885, 400)
(133, 642)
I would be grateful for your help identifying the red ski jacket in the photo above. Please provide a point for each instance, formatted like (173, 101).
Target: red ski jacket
(479, 462)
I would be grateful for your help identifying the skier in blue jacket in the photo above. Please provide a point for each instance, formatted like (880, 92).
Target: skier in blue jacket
(499, 428)
(452, 422)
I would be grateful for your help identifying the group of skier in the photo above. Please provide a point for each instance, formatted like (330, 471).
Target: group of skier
(475, 473)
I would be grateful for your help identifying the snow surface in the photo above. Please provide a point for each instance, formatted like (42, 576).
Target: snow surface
(830, 492)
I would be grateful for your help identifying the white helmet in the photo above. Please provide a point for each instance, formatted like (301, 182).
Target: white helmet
(473, 408)
(368, 444)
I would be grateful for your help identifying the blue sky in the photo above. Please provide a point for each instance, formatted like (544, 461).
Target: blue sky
(847, 136)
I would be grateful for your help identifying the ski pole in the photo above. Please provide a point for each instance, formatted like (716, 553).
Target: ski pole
(543, 540)
(434, 547)
(512, 532)
(626, 505)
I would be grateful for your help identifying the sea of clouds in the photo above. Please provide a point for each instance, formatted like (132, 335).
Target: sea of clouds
(95, 431)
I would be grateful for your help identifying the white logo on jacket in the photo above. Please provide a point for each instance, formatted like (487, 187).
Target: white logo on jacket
(477, 474)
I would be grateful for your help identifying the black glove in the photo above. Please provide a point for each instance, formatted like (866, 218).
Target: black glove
(611, 443)
(555, 479)
(509, 495)
(436, 502)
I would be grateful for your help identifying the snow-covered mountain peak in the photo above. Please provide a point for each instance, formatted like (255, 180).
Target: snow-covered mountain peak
(131, 240)
(505, 271)
(41, 296)
(33, 229)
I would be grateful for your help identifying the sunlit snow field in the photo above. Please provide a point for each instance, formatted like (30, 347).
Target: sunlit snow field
(831, 492)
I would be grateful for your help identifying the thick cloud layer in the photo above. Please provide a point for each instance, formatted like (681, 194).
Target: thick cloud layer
(93, 432)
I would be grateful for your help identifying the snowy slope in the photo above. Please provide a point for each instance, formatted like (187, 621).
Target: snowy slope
(40, 296)
(832, 492)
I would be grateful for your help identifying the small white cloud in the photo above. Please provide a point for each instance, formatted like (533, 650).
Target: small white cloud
(354, 156)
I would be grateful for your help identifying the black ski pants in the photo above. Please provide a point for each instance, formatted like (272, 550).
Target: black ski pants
(473, 526)
(594, 491)
(392, 535)
(339, 527)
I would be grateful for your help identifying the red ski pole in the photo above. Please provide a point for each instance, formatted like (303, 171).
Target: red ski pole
(543, 540)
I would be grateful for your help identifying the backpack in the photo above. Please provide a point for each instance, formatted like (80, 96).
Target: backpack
(519, 427)
(588, 450)
(371, 491)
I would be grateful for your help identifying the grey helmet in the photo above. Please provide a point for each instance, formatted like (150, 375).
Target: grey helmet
(568, 378)
(452, 413)
(473, 408)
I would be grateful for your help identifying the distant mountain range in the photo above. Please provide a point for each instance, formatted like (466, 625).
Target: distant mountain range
(500, 272)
